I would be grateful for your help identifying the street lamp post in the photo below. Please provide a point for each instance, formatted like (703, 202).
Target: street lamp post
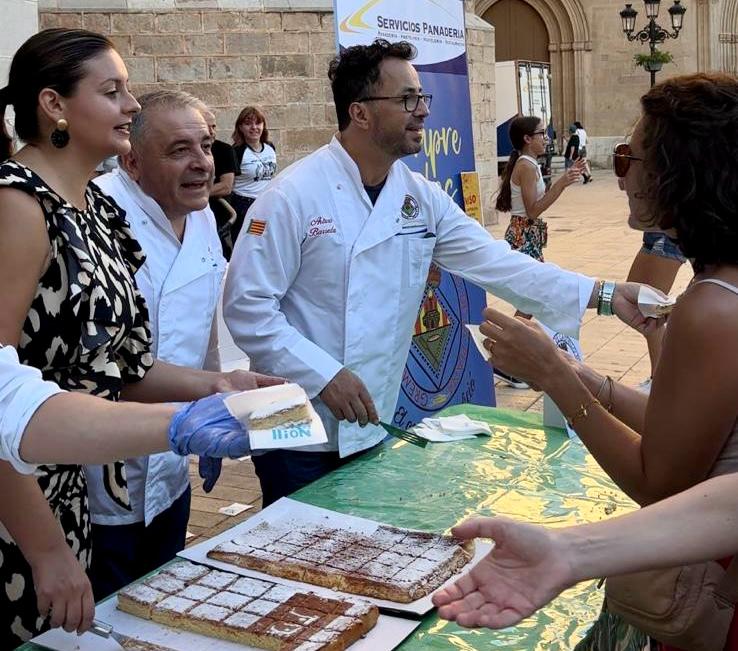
(652, 33)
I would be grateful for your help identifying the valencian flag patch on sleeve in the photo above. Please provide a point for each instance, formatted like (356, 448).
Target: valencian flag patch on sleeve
(256, 227)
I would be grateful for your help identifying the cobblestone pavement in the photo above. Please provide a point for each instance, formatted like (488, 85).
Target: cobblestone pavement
(588, 232)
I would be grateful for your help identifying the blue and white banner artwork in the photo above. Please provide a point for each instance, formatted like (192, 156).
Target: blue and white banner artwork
(443, 367)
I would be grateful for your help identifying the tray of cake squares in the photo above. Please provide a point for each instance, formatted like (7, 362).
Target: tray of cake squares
(294, 577)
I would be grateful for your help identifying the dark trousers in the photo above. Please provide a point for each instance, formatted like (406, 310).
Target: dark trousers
(241, 205)
(282, 472)
(123, 553)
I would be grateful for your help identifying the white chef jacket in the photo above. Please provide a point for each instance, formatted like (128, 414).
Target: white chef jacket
(335, 282)
(180, 282)
(22, 392)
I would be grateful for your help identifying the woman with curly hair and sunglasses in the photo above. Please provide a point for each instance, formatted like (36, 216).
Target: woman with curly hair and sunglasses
(678, 172)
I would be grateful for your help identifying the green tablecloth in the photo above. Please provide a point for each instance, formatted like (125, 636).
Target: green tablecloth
(523, 471)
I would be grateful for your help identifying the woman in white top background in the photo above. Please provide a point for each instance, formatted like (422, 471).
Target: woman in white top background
(523, 193)
(257, 160)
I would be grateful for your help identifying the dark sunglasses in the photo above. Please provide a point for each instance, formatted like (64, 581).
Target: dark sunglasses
(621, 158)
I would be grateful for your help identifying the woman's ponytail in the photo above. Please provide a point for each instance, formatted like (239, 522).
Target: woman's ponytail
(504, 194)
(519, 128)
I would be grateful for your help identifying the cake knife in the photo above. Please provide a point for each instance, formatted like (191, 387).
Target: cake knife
(106, 631)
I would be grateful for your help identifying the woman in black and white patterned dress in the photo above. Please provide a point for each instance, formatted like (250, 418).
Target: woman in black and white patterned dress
(71, 308)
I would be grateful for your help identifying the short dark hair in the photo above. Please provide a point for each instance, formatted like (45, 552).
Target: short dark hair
(690, 158)
(355, 70)
(53, 58)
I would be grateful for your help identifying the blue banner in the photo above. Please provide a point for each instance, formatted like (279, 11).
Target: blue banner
(444, 367)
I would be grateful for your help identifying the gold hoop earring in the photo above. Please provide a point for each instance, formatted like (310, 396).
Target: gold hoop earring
(60, 135)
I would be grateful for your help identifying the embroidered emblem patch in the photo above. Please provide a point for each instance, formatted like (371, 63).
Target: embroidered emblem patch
(410, 208)
(256, 227)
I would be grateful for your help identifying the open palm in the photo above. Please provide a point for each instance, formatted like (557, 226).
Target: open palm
(526, 569)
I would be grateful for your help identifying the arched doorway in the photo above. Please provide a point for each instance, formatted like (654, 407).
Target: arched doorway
(569, 45)
(520, 32)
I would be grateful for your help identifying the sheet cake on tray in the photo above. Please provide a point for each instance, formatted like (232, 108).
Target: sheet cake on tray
(245, 610)
(391, 563)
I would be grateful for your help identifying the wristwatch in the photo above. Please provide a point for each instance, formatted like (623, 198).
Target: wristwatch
(604, 298)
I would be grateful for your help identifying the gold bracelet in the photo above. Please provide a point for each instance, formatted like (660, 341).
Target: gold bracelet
(582, 412)
(611, 406)
(602, 386)
(608, 381)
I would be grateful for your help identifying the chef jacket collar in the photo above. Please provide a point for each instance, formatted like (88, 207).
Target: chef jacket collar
(149, 206)
(352, 169)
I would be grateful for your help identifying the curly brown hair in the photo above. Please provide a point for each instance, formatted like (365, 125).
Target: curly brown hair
(690, 127)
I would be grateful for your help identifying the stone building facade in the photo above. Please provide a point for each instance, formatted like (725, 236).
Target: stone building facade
(275, 53)
(232, 53)
(594, 78)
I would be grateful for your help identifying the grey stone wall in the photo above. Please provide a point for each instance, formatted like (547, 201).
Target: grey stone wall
(272, 53)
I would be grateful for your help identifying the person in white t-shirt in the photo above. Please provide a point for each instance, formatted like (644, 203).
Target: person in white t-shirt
(257, 162)
(587, 174)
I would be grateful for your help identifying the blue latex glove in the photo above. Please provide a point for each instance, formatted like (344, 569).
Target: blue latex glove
(206, 428)
(209, 470)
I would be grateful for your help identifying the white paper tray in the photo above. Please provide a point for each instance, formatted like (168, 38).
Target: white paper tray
(385, 636)
(287, 509)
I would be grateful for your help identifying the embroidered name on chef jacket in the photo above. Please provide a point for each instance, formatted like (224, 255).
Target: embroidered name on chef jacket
(320, 226)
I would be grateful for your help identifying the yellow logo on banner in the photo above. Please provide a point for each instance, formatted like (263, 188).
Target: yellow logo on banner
(472, 195)
(355, 21)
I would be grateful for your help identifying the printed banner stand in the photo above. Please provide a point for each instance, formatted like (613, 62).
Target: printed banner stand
(443, 367)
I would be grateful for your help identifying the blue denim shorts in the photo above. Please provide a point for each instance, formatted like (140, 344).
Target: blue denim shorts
(657, 243)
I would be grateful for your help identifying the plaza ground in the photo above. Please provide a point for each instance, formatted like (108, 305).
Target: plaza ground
(588, 232)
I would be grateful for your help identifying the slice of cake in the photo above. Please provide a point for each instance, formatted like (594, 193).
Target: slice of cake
(271, 407)
(132, 644)
(248, 611)
(391, 563)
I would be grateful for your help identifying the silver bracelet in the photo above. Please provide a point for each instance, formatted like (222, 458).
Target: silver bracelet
(604, 304)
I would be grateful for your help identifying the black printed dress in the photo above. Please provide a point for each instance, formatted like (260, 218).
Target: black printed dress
(87, 331)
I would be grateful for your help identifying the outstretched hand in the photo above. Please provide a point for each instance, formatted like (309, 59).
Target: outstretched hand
(527, 568)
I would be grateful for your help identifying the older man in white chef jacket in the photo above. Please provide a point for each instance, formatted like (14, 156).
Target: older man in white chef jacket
(163, 184)
(330, 267)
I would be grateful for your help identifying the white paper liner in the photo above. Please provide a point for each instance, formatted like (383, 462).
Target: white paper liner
(288, 436)
(447, 429)
(654, 303)
(478, 339)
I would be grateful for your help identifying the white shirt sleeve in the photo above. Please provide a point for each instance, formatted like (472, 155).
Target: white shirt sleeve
(22, 392)
(261, 271)
(553, 295)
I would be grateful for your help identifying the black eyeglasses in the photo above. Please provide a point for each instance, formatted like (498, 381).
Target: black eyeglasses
(541, 132)
(411, 102)
(621, 158)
